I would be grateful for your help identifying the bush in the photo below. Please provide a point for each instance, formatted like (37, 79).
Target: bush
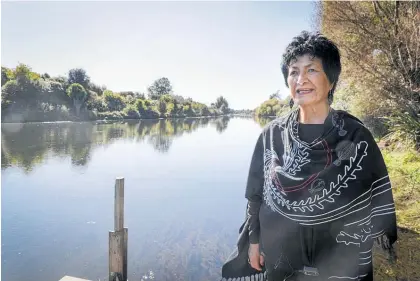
(162, 107)
(96, 103)
(167, 98)
(8, 92)
(131, 112)
(187, 110)
(170, 109)
(140, 106)
(114, 115)
(151, 113)
(77, 92)
(114, 102)
(272, 107)
(6, 75)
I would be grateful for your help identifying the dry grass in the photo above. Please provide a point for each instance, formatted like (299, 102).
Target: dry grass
(404, 170)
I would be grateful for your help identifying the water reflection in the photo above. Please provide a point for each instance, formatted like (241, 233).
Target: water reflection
(26, 145)
(263, 120)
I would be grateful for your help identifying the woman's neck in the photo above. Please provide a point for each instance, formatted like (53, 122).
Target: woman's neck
(313, 114)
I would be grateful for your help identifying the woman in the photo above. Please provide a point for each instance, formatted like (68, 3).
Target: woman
(318, 190)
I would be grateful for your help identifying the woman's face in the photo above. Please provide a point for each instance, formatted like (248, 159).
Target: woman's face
(307, 81)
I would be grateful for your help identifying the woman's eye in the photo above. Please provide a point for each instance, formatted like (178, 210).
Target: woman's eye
(311, 70)
(293, 73)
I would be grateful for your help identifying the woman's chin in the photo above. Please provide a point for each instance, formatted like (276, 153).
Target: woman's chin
(305, 102)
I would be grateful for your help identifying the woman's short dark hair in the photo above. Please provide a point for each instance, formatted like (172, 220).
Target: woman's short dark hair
(316, 45)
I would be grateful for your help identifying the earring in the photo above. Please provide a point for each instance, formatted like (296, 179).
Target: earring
(330, 97)
(291, 103)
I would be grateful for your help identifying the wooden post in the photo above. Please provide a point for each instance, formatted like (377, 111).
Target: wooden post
(118, 238)
(119, 204)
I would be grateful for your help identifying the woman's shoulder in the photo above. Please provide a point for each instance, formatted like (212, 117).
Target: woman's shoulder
(354, 123)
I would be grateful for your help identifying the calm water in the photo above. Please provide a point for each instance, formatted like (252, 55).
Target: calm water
(184, 196)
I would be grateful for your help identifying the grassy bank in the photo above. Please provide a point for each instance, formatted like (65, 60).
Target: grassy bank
(404, 171)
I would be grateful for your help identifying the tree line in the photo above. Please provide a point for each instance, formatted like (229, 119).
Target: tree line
(30, 96)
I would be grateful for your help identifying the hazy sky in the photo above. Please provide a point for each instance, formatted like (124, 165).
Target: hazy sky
(206, 49)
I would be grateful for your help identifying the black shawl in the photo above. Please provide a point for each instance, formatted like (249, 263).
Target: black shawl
(316, 205)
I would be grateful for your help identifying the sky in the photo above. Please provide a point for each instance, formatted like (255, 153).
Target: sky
(206, 49)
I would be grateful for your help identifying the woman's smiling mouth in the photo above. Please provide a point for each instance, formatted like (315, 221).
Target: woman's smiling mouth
(304, 91)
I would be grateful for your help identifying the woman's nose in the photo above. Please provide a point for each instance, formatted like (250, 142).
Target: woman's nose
(301, 78)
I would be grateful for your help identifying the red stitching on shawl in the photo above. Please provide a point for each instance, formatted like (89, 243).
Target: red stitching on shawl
(311, 178)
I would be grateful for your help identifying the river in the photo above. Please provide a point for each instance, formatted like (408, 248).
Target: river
(184, 196)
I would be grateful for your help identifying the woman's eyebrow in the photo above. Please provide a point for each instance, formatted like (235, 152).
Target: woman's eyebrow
(306, 65)
(309, 64)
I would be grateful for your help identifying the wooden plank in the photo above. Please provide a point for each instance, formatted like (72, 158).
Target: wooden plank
(70, 278)
(115, 252)
(119, 204)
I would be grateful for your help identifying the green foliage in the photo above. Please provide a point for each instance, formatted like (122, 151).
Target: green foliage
(6, 75)
(23, 74)
(272, 107)
(162, 107)
(222, 104)
(187, 110)
(113, 115)
(96, 88)
(8, 92)
(96, 103)
(79, 76)
(114, 102)
(79, 96)
(151, 113)
(404, 172)
(170, 109)
(45, 76)
(77, 92)
(131, 112)
(167, 98)
(140, 106)
(404, 128)
(44, 98)
(160, 87)
(379, 44)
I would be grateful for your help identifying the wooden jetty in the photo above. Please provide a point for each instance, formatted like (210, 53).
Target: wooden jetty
(117, 240)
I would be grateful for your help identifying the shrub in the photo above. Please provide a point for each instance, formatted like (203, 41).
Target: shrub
(114, 102)
(131, 112)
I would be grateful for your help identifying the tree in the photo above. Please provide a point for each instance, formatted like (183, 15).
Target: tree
(222, 104)
(275, 95)
(45, 76)
(24, 74)
(160, 87)
(79, 76)
(96, 88)
(79, 96)
(379, 42)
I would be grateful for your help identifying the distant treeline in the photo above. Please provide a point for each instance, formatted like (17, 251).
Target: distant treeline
(29, 96)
